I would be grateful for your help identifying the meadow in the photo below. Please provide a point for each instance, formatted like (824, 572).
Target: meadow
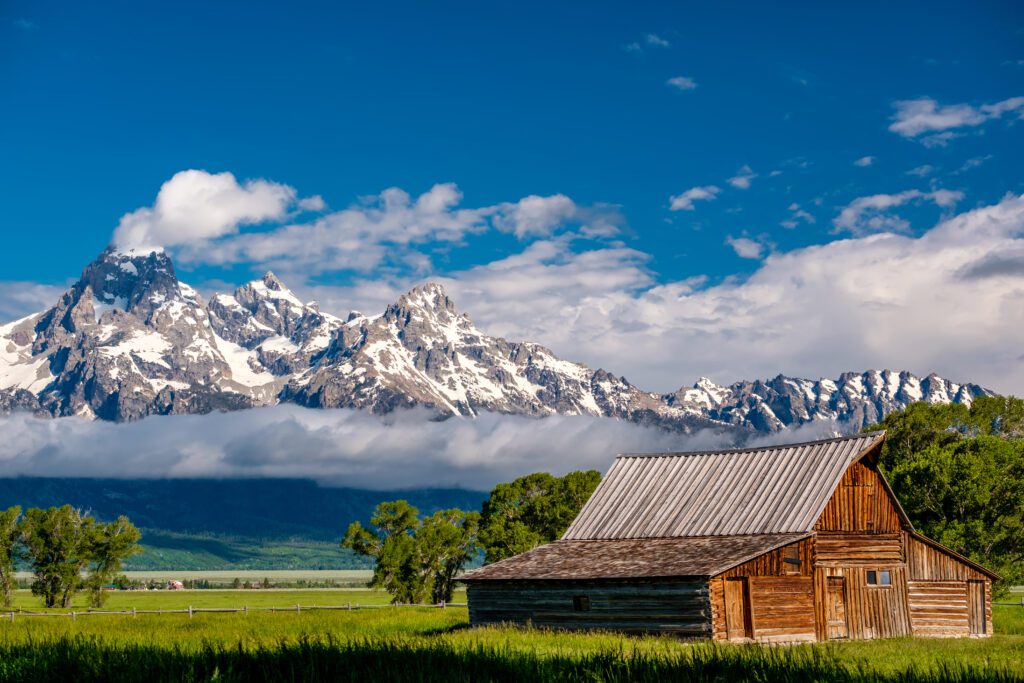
(429, 643)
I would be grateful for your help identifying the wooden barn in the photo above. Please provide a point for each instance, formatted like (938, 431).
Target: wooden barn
(801, 542)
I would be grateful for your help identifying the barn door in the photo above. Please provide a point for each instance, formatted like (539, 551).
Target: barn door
(835, 607)
(737, 609)
(976, 606)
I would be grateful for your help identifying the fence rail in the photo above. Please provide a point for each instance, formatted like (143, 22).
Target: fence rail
(192, 611)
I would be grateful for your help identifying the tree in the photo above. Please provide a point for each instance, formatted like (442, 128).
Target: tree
(398, 568)
(921, 425)
(8, 550)
(415, 558)
(108, 546)
(447, 540)
(969, 496)
(57, 542)
(532, 510)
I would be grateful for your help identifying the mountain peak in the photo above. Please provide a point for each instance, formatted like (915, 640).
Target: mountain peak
(137, 280)
(273, 282)
(430, 296)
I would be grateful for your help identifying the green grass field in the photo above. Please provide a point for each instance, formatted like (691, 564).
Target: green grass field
(423, 643)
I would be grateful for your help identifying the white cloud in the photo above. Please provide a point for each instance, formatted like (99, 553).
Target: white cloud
(972, 163)
(682, 83)
(745, 247)
(877, 301)
(334, 447)
(797, 216)
(535, 216)
(924, 115)
(922, 171)
(870, 214)
(684, 201)
(864, 161)
(742, 178)
(195, 205)
(651, 40)
(389, 228)
(18, 299)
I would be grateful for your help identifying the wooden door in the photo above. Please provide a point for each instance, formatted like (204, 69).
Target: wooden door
(737, 609)
(976, 606)
(835, 608)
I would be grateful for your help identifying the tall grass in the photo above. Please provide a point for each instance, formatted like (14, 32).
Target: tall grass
(84, 659)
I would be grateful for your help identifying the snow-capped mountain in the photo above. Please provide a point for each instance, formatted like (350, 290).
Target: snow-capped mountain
(130, 340)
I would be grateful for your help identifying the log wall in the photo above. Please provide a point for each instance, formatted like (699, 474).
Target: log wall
(681, 607)
(939, 590)
(781, 595)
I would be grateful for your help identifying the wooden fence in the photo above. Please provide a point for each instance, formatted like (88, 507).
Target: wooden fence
(192, 611)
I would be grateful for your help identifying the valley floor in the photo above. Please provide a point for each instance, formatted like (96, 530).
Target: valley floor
(428, 643)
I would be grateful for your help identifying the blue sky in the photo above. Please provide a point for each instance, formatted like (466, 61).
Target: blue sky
(638, 114)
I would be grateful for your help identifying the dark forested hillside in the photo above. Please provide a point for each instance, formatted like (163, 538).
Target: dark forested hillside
(214, 524)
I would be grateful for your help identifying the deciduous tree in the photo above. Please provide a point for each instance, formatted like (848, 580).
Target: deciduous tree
(8, 552)
(532, 510)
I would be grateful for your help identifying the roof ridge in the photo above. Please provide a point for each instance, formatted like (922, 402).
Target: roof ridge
(753, 449)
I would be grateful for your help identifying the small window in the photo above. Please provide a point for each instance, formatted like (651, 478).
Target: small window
(880, 577)
(581, 603)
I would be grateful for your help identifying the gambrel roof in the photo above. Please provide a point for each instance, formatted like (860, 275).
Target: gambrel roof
(740, 492)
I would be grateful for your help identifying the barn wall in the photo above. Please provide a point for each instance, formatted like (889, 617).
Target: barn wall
(860, 504)
(927, 563)
(679, 606)
(939, 591)
(871, 611)
(781, 595)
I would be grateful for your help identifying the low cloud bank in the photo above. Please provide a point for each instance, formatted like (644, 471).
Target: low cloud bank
(333, 447)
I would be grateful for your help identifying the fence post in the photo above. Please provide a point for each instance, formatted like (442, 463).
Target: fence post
(442, 604)
(297, 608)
(134, 615)
(245, 608)
(73, 616)
(190, 611)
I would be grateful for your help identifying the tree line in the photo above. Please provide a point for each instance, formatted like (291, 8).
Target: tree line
(67, 551)
(958, 471)
(416, 558)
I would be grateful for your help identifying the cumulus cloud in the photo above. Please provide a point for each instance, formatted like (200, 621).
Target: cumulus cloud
(745, 247)
(334, 447)
(864, 162)
(684, 201)
(914, 118)
(388, 229)
(535, 216)
(682, 83)
(881, 300)
(742, 178)
(870, 214)
(195, 205)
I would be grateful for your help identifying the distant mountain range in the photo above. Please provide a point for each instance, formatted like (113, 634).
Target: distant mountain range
(130, 340)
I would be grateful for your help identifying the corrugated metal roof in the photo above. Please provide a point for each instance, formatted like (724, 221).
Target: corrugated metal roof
(623, 559)
(748, 491)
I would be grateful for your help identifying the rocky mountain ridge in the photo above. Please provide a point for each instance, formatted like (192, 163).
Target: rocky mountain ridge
(128, 340)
